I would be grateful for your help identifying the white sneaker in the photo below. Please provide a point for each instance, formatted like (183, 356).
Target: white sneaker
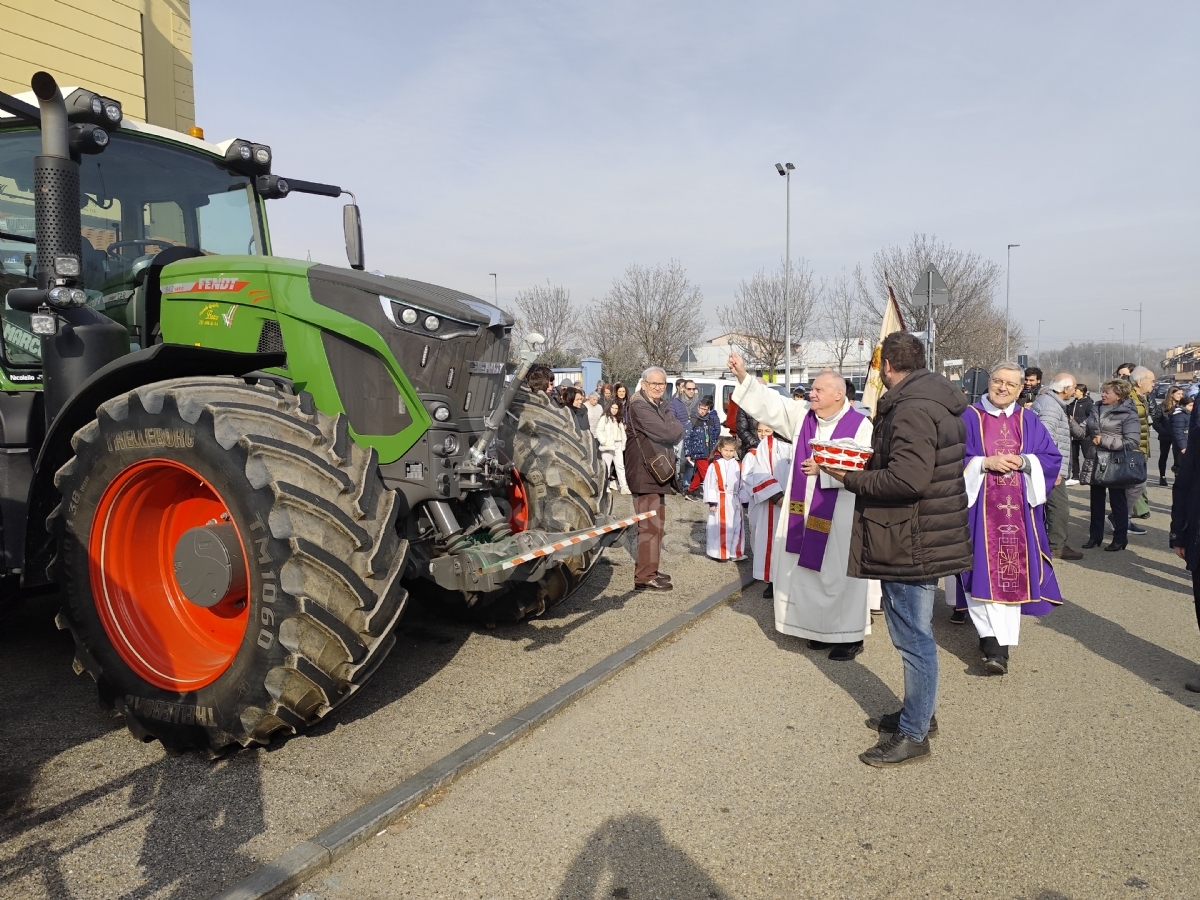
(1071, 482)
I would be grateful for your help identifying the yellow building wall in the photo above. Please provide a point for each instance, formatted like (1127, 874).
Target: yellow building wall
(136, 51)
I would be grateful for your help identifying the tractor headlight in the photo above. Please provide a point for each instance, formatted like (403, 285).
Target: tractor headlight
(112, 111)
(409, 317)
(442, 413)
(243, 152)
(66, 266)
(450, 445)
(432, 323)
(97, 107)
(43, 323)
(262, 156)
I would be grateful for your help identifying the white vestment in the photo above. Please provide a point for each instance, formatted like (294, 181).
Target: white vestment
(723, 487)
(825, 605)
(999, 620)
(764, 473)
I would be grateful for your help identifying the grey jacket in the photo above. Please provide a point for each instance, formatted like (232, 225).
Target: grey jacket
(1118, 425)
(1053, 413)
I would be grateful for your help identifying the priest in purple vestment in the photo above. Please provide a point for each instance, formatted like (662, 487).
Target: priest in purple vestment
(1011, 463)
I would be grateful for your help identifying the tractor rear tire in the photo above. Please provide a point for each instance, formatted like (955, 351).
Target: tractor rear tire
(314, 594)
(566, 487)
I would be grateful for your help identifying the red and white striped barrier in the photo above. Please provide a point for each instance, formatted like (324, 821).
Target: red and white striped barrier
(577, 537)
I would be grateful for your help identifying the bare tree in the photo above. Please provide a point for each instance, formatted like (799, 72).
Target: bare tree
(757, 314)
(621, 359)
(841, 319)
(650, 315)
(971, 325)
(547, 311)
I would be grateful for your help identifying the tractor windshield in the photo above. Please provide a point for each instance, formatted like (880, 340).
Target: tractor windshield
(139, 197)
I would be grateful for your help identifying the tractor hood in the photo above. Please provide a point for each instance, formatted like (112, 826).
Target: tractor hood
(441, 301)
(453, 347)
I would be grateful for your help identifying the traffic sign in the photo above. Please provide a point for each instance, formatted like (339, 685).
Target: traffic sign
(931, 291)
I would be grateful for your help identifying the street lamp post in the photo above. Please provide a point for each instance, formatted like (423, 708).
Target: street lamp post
(1007, 295)
(1112, 336)
(1039, 343)
(786, 171)
(1096, 354)
(1139, 312)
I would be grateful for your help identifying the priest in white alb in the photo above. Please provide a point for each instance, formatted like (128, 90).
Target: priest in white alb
(814, 597)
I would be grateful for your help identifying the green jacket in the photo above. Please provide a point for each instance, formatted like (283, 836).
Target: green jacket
(1144, 418)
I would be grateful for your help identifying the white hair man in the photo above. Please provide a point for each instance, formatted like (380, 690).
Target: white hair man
(1050, 406)
(814, 596)
(651, 432)
(1143, 385)
(1011, 464)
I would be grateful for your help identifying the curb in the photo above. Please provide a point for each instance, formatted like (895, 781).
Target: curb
(274, 880)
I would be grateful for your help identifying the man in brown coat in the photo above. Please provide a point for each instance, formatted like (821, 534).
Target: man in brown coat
(651, 431)
(910, 529)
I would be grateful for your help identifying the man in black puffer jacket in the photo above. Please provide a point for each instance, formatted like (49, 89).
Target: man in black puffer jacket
(910, 529)
(1185, 519)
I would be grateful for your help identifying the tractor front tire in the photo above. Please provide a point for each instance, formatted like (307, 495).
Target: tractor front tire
(565, 485)
(312, 596)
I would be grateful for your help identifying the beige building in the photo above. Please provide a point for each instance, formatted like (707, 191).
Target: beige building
(136, 51)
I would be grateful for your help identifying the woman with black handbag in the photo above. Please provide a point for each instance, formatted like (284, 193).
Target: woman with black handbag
(1113, 432)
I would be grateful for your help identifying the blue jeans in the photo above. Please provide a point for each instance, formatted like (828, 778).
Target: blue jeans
(908, 609)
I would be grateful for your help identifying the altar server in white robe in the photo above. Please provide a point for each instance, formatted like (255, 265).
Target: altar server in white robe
(724, 495)
(764, 473)
(814, 597)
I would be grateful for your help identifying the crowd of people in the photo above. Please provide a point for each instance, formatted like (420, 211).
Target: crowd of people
(969, 495)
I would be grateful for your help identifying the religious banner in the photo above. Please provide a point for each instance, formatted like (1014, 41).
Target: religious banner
(893, 321)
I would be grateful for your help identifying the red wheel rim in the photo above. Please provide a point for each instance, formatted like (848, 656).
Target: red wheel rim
(518, 504)
(165, 639)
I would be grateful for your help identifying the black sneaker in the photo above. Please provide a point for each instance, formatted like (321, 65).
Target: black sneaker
(890, 723)
(845, 652)
(896, 750)
(818, 645)
(958, 617)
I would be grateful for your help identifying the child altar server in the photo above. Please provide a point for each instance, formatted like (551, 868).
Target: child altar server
(724, 495)
(764, 473)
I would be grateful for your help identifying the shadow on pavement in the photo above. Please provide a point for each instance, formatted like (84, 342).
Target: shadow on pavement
(864, 687)
(180, 829)
(630, 857)
(1160, 668)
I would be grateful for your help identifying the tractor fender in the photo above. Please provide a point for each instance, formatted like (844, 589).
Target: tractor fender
(157, 363)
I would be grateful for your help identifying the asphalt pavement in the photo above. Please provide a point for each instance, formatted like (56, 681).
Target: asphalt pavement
(86, 811)
(725, 765)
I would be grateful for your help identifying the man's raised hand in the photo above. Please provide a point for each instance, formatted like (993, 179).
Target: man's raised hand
(737, 366)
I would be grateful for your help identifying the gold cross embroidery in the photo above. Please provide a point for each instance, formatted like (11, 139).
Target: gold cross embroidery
(1008, 506)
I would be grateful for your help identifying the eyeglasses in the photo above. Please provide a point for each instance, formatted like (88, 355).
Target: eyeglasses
(996, 382)
(656, 384)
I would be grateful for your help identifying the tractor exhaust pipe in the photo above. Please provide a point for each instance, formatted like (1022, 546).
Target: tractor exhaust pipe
(83, 341)
(55, 184)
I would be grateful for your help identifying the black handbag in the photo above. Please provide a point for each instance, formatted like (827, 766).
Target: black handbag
(1115, 468)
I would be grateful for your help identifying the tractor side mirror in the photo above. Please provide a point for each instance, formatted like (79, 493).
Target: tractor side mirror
(352, 225)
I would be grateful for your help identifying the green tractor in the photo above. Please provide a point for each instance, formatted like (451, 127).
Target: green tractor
(234, 467)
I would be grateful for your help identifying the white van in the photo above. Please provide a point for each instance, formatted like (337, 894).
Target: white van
(720, 389)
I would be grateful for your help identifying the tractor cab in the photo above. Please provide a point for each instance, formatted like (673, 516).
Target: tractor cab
(139, 197)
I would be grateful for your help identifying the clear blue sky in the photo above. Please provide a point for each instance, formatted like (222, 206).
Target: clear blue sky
(565, 141)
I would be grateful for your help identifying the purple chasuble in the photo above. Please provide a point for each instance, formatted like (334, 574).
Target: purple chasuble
(1012, 561)
(809, 539)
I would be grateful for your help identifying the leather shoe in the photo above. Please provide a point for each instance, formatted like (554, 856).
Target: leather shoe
(958, 617)
(996, 665)
(896, 750)
(654, 584)
(769, 591)
(890, 723)
(1065, 552)
(1114, 546)
(818, 645)
(1092, 544)
(663, 576)
(1193, 685)
(845, 652)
